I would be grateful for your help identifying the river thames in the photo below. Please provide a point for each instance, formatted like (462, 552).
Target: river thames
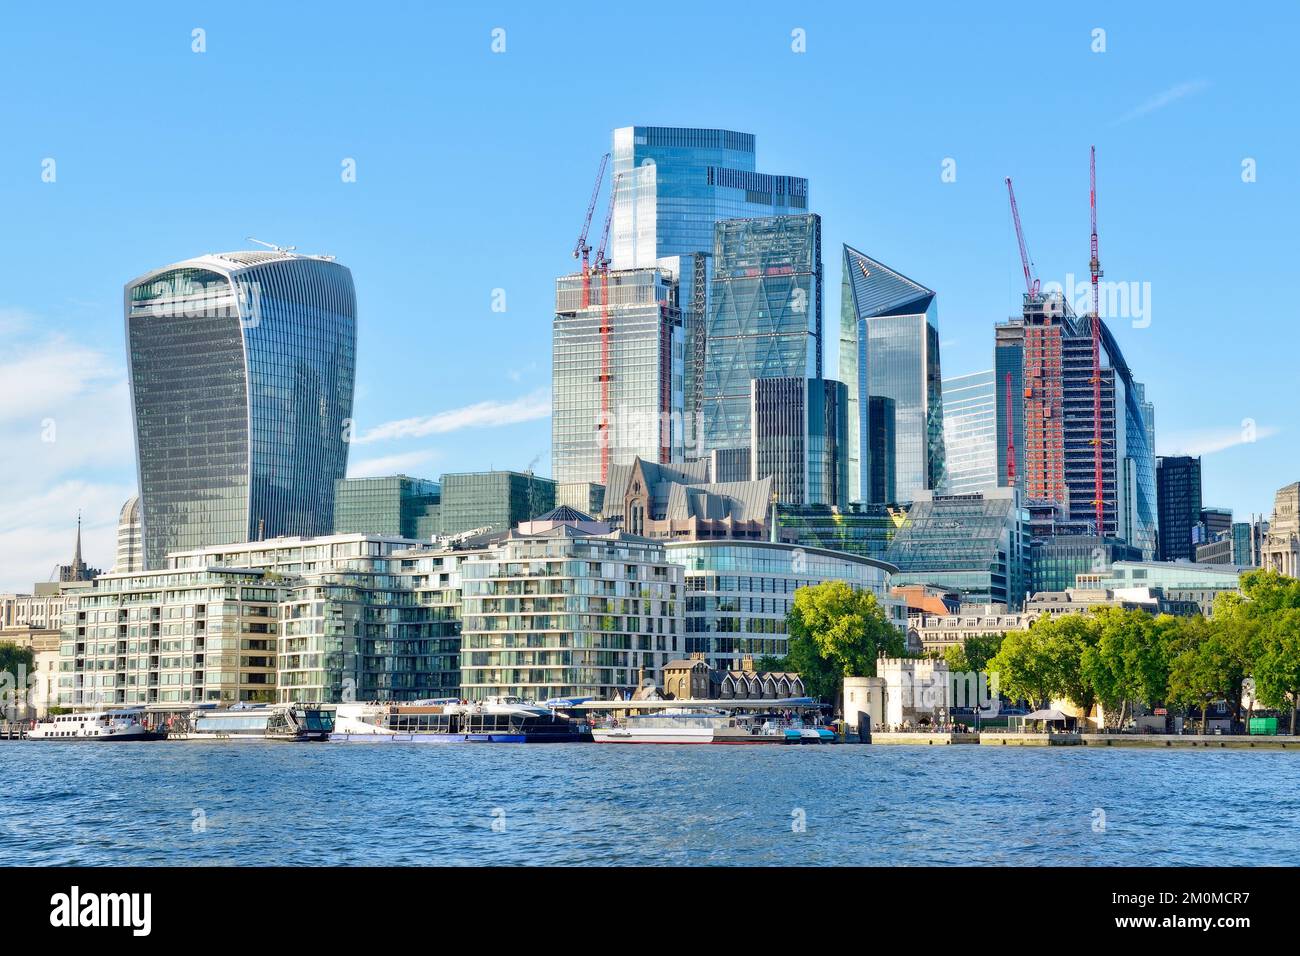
(251, 804)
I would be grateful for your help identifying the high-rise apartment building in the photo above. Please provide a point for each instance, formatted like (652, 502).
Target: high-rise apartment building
(241, 377)
(765, 316)
(798, 436)
(1178, 492)
(889, 347)
(569, 613)
(970, 432)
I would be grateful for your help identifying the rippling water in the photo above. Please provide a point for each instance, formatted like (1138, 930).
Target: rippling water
(255, 804)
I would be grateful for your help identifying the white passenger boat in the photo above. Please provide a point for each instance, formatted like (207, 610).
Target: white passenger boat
(675, 726)
(110, 725)
(786, 721)
(447, 720)
(289, 722)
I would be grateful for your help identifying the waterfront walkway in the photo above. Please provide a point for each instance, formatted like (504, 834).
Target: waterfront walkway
(1148, 741)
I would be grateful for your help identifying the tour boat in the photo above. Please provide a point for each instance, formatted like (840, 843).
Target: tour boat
(676, 726)
(494, 720)
(288, 722)
(706, 722)
(110, 725)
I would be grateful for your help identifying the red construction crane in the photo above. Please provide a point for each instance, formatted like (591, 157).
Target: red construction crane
(1011, 435)
(1031, 277)
(602, 267)
(580, 249)
(1094, 268)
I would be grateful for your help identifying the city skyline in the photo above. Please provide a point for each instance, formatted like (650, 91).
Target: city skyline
(438, 368)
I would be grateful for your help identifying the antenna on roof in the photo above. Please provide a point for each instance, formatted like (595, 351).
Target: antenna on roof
(271, 245)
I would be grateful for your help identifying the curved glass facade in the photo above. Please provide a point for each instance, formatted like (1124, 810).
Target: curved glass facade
(738, 594)
(242, 368)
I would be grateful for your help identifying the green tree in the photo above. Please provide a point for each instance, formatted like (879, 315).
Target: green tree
(836, 632)
(972, 654)
(1068, 638)
(1127, 663)
(1277, 666)
(1023, 667)
(1206, 666)
(16, 665)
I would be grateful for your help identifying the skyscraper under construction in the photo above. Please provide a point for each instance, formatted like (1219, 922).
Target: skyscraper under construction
(1050, 414)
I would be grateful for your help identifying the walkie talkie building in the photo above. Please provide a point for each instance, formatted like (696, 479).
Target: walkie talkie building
(241, 374)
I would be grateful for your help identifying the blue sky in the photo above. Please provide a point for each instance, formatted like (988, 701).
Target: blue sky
(474, 167)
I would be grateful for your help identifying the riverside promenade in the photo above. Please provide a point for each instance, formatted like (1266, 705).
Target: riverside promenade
(1132, 741)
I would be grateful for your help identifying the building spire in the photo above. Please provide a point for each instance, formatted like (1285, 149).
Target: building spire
(76, 557)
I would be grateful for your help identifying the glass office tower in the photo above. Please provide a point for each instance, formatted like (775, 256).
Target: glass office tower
(390, 505)
(889, 347)
(970, 432)
(1178, 498)
(765, 316)
(493, 500)
(617, 376)
(241, 374)
(672, 184)
(798, 437)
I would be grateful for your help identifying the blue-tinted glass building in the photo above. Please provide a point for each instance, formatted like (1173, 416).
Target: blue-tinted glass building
(765, 316)
(889, 347)
(241, 376)
(672, 184)
(970, 432)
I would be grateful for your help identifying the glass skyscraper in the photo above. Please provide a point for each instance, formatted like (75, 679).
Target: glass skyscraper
(1053, 426)
(241, 376)
(889, 347)
(1178, 498)
(672, 184)
(765, 316)
(970, 432)
(799, 433)
(617, 375)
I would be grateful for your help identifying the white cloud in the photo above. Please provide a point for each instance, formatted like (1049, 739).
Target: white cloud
(1208, 441)
(390, 464)
(65, 426)
(38, 531)
(1164, 98)
(488, 414)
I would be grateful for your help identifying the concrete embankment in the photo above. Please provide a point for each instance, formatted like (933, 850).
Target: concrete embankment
(1133, 741)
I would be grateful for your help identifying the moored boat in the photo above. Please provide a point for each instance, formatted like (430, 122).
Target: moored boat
(660, 721)
(494, 720)
(284, 722)
(110, 725)
(675, 726)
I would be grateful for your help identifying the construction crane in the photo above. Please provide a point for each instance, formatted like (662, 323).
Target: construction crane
(1094, 269)
(1031, 274)
(580, 249)
(602, 268)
